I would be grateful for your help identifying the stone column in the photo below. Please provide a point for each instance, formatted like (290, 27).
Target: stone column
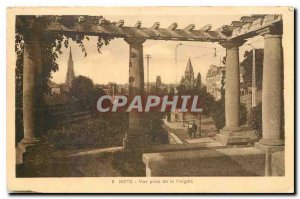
(232, 90)
(136, 137)
(272, 92)
(32, 68)
(231, 133)
(32, 96)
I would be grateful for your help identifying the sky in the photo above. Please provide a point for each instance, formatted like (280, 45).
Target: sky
(112, 65)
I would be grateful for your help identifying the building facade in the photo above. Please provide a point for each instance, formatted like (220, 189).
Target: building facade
(214, 78)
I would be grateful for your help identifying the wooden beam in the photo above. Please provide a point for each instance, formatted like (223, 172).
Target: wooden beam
(259, 15)
(120, 23)
(226, 30)
(138, 24)
(269, 19)
(243, 29)
(206, 28)
(238, 24)
(145, 33)
(249, 30)
(173, 26)
(155, 25)
(102, 21)
(249, 19)
(190, 27)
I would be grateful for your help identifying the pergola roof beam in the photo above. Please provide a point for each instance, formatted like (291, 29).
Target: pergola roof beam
(206, 28)
(173, 26)
(190, 27)
(247, 27)
(141, 32)
(155, 25)
(120, 23)
(138, 24)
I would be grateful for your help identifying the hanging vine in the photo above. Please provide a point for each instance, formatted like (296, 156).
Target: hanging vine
(51, 46)
(52, 43)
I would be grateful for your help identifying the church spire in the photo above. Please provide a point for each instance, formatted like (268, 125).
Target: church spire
(70, 54)
(70, 72)
(189, 67)
(189, 72)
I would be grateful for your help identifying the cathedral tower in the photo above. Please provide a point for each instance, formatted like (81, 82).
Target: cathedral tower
(189, 72)
(70, 72)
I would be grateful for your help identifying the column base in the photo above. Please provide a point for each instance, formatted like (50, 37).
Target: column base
(269, 148)
(137, 142)
(31, 157)
(28, 148)
(233, 136)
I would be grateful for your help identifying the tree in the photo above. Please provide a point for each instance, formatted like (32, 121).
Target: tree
(247, 65)
(198, 82)
(206, 100)
(82, 89)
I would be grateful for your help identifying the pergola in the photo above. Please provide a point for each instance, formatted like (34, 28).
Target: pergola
(230, 37)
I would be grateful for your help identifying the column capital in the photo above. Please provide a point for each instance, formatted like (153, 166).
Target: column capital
(271, 30)
(231, 44)
(135, 41)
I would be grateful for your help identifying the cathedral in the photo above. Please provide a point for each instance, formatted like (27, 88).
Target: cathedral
(188, 80)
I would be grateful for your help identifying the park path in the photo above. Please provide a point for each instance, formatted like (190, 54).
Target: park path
(178, 132)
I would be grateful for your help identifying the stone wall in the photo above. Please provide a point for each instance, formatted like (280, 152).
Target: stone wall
(213, 162)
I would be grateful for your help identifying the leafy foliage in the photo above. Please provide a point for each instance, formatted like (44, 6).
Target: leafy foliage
(204, 97)
(206, 100)
(247, 65)
(153, 124)
(198, 82)
(82, 89)
(223, 84)
(94, 132)
(153, 120)
(51, 47)
(218, 113)
(255, 118)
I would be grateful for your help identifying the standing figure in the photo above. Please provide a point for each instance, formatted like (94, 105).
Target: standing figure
(194, 129)
(190, 130)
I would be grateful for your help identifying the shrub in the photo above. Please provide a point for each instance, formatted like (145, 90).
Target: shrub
(243, 114)
(153, 123)
(255, 118)
(90, 133)
(218, 113)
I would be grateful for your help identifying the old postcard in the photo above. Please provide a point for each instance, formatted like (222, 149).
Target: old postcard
(150, 99)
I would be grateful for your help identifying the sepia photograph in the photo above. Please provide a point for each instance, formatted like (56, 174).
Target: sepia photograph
(150, 99)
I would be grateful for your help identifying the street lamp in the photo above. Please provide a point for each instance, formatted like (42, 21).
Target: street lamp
(176, 61)
(253, 101)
